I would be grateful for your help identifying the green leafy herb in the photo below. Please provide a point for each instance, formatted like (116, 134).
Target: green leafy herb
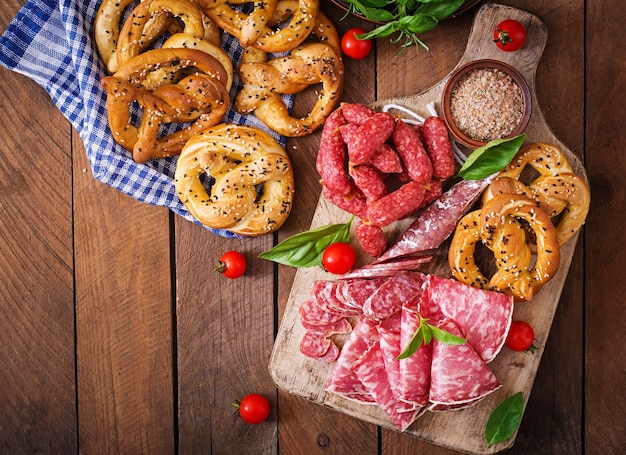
(407, 18)
(505, 419)
(424, 334)
(491, 157)
(306, 248)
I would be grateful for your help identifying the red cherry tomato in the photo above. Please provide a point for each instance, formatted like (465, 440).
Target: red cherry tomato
(338, 258)
(353, 47)
(253, 408)
(232, 264)
(520, 337)
(509, 35)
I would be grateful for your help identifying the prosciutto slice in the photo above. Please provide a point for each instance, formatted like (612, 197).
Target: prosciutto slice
(458, 374)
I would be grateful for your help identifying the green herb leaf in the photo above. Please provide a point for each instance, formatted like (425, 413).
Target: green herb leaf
(505, 419)
(424, 334)
(491, 158)
(305, 249)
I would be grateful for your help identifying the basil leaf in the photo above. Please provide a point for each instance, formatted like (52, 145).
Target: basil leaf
(413, 345)
(445, 337)
(490, 158)
(305, 249)
(440, 10)
(505, 419)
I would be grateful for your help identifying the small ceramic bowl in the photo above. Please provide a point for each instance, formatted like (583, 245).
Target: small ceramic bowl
(485, 100)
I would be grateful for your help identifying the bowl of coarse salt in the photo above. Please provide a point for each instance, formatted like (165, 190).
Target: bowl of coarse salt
(485, 100)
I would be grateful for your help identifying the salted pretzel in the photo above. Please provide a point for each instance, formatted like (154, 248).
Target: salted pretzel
(557, 189)
(240, 159)
(500, 226)
(190, 88)
(288, 26)
(311, 63)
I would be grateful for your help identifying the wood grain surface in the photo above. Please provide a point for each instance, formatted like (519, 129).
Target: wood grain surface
(117, 337)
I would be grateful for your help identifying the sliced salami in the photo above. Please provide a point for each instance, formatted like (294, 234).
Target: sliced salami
(387, 269)
(312, 313)
(390, 296)
(458, 374)
(356, 292)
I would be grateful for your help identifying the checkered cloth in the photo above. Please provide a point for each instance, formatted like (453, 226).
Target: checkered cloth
(50, 41)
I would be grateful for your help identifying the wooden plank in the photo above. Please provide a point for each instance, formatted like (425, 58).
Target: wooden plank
(605, 351)
(38, 410)
(123, 319)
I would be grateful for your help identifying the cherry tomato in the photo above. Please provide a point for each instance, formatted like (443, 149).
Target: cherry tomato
(520, 337)
(338, 258)
(353, 47)
(253, 408)
(232, 264)
(509, 35)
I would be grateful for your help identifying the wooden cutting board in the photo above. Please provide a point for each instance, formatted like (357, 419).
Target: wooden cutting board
(461, 430)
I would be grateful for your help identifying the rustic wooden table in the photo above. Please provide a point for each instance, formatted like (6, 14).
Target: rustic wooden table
(117, 337)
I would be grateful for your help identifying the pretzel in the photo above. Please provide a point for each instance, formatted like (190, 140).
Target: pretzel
(309, 64)
(557, 189)
(190, 87)
(499, 225)
(240, 159)
(257, 29)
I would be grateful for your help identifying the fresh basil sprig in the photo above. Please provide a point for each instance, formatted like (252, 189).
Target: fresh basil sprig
(505, 419)
(424, 334)
(306, 248)
(491, 157)
(407, 18)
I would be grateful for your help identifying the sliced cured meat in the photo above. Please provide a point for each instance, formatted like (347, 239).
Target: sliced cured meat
(312, 313)
(314, 345)
(389, 336)
(414, 385)
(387, 269)
(458, 374)
(370, 370)
(390, 296)
(438, 220)
(483, 317)
(371, 238)
(370, 136)
(411, 150)
(439, 147)
(343, 380)
(328, 300)
(396, 205)
(356, 292)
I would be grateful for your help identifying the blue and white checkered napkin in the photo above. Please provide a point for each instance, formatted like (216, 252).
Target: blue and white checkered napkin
(50, 41)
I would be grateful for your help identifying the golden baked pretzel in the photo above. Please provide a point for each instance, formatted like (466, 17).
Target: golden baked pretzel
(240, 159)
(557, 189)
(311, 63)
(296, 19)
(500, 226)
(190, 87)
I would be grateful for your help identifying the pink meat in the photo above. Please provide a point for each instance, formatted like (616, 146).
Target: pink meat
(354, 203)
(356, 292)
(386, 160)
(389, 335)
(312, 313)
(331, 157)
(438, 220)
(369, 181)
(396, 205)
(371, 238)
(411, 150)
(326, 292)
(370, 136)
(343, 380)
(483, 317)
(458, 374)
(386, 269)
(439, 147)
(370, 370)
(390, 296)
(356, 113)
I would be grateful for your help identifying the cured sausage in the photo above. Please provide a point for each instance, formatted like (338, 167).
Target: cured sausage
(371, 238)
(369, 181)
(439, 147)
(413, 154)
(331, 157)
(369, 137)
(438, 221)
(396, 205)
(386, 160)
(356, 113)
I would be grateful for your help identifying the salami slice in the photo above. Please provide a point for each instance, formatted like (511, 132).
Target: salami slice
(327, 299)
(438, 220)
(483, 317)
(458, 374)
(356, 292)
(390, 296)
(312, 313)
(343, 380)
(370, 370)
(386, 269)
(389, 336)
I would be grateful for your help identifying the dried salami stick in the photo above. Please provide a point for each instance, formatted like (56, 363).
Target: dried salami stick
(439, 147)
(413, 154)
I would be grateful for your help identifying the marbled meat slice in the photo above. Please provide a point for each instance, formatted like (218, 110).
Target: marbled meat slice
(327, 297)
(316, 342)
(356, 292)
(389, 297)
(484, 317)
(312, 313)
(458, 374)
(370, 370)
(343, 381)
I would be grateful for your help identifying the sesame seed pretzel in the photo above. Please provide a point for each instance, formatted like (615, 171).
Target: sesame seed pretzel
(257, 29)
(239, 159)
(312, 63)
(191, 87)
(499, 225)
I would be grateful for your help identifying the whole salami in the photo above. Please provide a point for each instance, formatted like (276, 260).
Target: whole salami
(412, 152)
(439, 147)
(369, 137)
